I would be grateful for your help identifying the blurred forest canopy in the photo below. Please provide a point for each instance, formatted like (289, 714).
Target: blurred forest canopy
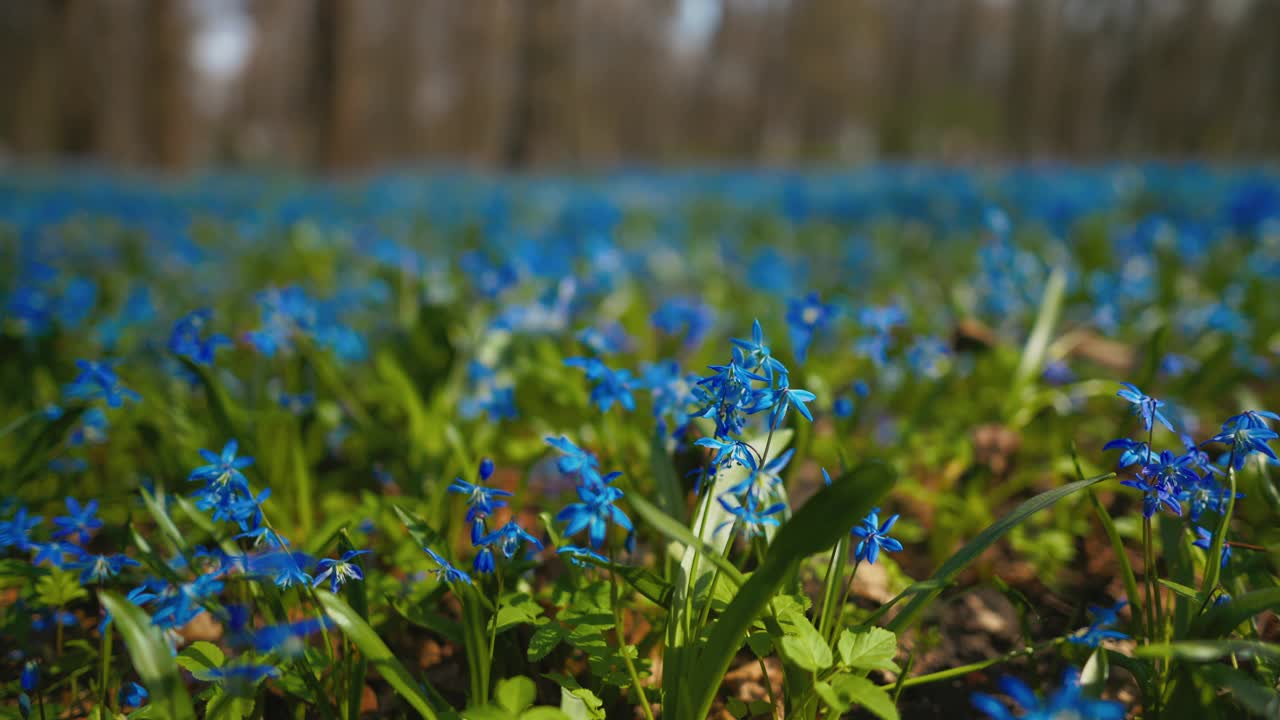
(346, 85)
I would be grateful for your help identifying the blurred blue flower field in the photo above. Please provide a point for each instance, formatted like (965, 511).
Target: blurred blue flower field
(899, 442)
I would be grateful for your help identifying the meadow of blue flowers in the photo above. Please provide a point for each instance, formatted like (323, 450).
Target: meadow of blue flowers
(641, 445)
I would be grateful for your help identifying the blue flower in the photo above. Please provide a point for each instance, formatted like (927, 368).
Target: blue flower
(340, 571)
(1157, 493)
(186, 339)
(1245, 440)
(807, 316)
(1132, 451)
(223, 469)
(100, 568)
(482, 500)
(575, 459)
(1069, 701)
(582, 557)
(240, 680)
(748, 515)
(509, 538)
(1103, 618)
(285, 568)
(757, 354)
(133, 695)
(445, 570)
(779, 399)
(79, 524)
(52, 553)
(729, 451)
(16, 532)
(1204, 541)
(1171, 470)
(611, 385)
(761, 480)
(1250, 419)
(874, 538)
(99, 380)
(288, 639)
(1144, 405)
(30, 676)
(594, 514)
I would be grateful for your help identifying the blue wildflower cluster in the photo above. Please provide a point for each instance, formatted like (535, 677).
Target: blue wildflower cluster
(482, 501)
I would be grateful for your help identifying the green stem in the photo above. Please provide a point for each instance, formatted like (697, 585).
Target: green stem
(104, 695)
(971, 667)
(831, 585)
(622, 640)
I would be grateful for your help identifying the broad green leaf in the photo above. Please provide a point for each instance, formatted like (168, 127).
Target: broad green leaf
(376, 652)
(1222, 619)
(228, 706)
(1258, 699)
(515, 694)
(518, 609)
(845, 692)
(545, 639)
(870, 649)
(150, 655)
(802, 644)
(814, 528)
(201, 657)
(419, 615)
(577, 702)
(985, 539)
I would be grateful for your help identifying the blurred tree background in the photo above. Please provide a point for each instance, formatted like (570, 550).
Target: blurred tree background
(348, 85)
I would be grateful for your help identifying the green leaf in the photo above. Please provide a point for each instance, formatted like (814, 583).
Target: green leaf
(201, 657)
(1259, 699)
(814, 528)
(1222, 619)
(356, 594)
(59, 588)
(985, 539)
(150, 655)
(670, 493)
(545, 639)
(515, 694)
(543, 712)
(1117, 549)
(577, 702)
(516, 610)
(228, 706)
(1209, 650)
(674, 530)
(847, 691)
(802, 644)
(871, 649)
(1033, 353)
(423, 534)
(375, 652)
(1179, 589)
(419, 615)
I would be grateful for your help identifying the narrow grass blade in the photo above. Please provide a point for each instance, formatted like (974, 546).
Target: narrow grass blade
(814, 528)
(1222, 619)
(1209, 650)
(985, 539)
(376, 652)
(151, 656)
(1033, 353)
(1262, 701)
(1122, 562)
(673, 529)
(668, 490)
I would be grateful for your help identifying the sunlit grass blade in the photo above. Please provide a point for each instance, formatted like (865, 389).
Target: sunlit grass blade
(814, 528)
(151, 657)
(1210, 650)
(376, 652)
(673, 529)
(975, 547)
(1033, 353)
